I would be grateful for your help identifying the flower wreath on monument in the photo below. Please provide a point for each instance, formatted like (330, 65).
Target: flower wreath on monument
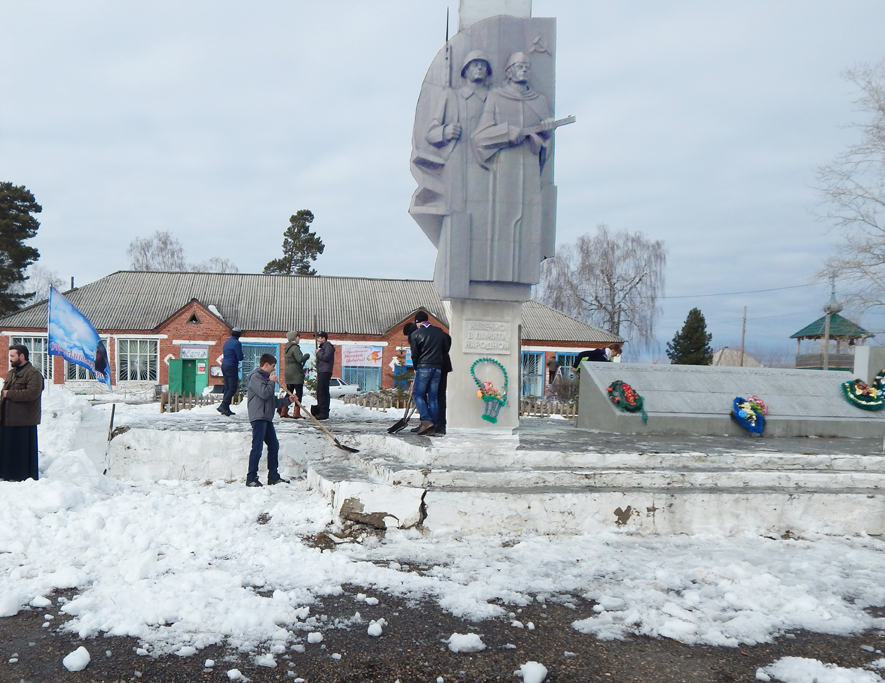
(493, 398)
(750, 413)
(622, 395)
(866, 396)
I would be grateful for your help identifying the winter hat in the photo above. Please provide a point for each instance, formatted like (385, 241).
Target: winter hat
(323, 335)
(236, 332)
(290, 336)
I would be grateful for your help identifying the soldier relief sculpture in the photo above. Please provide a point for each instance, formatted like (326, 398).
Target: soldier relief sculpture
(482, 148)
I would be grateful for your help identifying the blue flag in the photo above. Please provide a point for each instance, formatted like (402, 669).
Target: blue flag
(72, 336)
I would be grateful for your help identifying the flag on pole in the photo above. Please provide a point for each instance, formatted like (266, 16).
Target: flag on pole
(73, 337)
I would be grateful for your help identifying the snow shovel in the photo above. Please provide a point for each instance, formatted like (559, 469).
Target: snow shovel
(313, 417)
(403, 422)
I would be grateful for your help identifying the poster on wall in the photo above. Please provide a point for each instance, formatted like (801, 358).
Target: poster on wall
(190, 351)
(361, 356)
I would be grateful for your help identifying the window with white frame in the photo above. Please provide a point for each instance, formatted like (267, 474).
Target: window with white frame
(78, 372)
(38, 353)
(137, 360)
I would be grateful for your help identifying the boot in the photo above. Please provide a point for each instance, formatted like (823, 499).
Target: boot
(284, 412)
(296, 413)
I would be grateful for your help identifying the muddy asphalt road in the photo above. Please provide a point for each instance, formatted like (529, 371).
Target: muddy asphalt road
(412, 649)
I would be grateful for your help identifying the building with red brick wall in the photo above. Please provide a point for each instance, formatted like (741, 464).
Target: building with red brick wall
(150, 319)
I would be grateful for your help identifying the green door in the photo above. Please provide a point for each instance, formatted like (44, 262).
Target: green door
(189, 377)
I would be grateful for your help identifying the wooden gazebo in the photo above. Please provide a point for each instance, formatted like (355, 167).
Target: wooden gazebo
(838, 356)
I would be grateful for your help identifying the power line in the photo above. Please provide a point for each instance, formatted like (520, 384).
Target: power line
(752, 291)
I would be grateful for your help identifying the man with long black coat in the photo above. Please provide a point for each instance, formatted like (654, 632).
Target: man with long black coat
(20, 412)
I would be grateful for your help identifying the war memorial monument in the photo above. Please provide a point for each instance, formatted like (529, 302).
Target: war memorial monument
(482, 157)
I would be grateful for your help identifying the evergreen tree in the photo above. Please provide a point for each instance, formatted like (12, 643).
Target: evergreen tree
(691, 345)
(17, 224)
(300, 248)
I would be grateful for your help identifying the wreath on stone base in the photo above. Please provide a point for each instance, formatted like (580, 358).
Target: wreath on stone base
(493, 398)
(623, 395)
(750, 413)
(866, 396)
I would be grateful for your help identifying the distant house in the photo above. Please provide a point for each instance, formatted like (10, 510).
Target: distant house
(148, 319)
(844, 335)
(734, 358)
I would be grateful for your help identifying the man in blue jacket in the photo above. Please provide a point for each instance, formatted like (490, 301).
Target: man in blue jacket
(230, 369)
(263, 404)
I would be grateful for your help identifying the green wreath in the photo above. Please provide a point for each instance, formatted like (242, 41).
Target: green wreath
(493, 398)
(622, 395)
(866, 397)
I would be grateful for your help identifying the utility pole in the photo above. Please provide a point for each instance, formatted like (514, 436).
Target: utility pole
(743, 336)
(832, 307)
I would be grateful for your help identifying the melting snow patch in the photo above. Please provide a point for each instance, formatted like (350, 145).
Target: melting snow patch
(315, 637)
(266, 660)
(533, 672)
(801, 670)
(465, 642)
(77, 660)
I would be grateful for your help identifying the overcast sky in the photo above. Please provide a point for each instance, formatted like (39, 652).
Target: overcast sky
(699, 123)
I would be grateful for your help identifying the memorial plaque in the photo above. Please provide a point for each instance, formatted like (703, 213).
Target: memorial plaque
(486, 336)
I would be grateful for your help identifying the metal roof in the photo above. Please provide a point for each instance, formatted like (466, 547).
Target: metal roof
(143, 300)
(839, 327)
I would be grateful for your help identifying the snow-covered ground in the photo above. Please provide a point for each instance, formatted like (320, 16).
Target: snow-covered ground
(182, 564)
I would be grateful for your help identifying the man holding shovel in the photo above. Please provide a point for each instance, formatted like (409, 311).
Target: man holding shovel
(263, 403)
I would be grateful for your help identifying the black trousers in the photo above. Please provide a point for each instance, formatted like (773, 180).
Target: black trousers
(323, 393)
(18, 453)
(441, 403)
(231, 380)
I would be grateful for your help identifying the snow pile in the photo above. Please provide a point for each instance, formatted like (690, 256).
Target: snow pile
(801, 670)
(465, 642)
(181, 565)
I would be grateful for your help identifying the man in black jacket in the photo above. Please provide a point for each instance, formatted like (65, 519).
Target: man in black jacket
(430, 346)
(325, 366)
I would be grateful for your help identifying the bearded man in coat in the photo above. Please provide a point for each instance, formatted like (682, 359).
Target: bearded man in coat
(19, 416)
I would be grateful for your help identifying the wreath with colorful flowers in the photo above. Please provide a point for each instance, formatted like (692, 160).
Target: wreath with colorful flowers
(493, 398)
(866, 396)
(625, 397)
(750, 413)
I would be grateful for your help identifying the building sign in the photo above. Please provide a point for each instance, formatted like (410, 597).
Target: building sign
(189, 351)
(361, 356)
(201, 368)
(485, 336)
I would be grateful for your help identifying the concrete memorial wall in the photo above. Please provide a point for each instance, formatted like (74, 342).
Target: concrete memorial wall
(697, 399)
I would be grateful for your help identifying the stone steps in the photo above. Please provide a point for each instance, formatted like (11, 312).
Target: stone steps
(722, 492)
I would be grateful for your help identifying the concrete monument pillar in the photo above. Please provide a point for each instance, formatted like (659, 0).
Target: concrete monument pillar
(482, 156)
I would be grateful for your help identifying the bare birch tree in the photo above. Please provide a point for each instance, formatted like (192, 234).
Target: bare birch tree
(162, 251)
(852, 192)
(612, 280)
(37, 283)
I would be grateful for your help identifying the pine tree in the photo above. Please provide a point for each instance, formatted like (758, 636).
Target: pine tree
(691, 345)
(17, 224)
(300, 248)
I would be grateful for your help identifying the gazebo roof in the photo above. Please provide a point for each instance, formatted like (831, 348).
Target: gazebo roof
(839, 327)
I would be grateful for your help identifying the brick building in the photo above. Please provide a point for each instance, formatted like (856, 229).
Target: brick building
(148, 319)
